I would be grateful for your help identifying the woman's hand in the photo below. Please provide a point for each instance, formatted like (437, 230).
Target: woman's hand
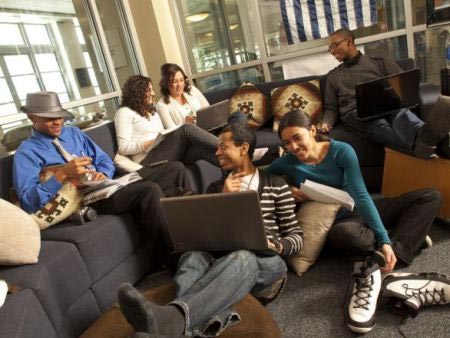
(298, 195)
(390, 258)
(190, 119)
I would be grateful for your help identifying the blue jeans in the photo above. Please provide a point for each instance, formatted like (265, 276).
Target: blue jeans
(207, 287)
(397, 130)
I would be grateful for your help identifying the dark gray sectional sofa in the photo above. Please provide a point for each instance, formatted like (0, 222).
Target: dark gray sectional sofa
(81, 266)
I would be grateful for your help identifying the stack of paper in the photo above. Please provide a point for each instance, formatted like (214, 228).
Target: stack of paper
(325, 194)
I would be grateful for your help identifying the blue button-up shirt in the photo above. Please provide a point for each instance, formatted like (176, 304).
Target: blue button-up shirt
(39, 152)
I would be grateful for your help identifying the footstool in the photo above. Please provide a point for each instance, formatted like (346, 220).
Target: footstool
(256, 321)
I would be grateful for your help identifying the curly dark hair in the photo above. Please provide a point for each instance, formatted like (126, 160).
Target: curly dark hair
(168, 71)
(134, 94)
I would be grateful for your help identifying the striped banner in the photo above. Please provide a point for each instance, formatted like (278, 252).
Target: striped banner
(315, 19)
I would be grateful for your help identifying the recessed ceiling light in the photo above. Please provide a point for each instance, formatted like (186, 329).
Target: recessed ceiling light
(197, 16)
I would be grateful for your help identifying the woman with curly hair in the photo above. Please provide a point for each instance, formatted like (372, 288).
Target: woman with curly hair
(180, 99)
(156, 152)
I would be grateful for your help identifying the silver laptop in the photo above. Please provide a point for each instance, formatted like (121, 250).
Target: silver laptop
(214, 116)
(385, 96)
(216, 222)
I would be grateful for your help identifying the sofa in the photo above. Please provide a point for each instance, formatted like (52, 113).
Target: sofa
(370, 154)
(80, 266)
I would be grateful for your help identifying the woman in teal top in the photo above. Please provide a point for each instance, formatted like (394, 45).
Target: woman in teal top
(317, 158)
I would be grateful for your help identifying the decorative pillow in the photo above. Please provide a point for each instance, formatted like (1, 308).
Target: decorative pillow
(253, 103)
(302, 96)
(315, 218)
(66, 201)
(20, 238)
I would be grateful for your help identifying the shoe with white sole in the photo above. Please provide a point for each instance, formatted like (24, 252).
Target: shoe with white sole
(362, 305)
(417, 290)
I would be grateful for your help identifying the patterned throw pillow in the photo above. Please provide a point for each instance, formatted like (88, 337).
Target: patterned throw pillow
(66, 201)
(253, 103)
(302, 96)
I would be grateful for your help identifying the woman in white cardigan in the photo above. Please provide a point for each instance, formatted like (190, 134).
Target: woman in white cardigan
(144, 144)
(180, 99)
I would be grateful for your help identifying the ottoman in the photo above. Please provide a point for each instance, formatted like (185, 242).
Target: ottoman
(256, 322)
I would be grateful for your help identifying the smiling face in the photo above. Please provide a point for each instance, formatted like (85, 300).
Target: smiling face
(299, 141)
(49, 126)
(231, 156)
(177, 84)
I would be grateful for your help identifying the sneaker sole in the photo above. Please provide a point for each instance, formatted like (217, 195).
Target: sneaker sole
(358, 329)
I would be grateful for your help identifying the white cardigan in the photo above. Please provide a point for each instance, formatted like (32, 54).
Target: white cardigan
(132, 130)
(172, 113)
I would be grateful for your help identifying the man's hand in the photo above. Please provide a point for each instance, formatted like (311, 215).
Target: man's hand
(390, 258)
(190, 119)
(233, 182)
(74, 169)
(299, 196)
(273, 247)
(96, 176)
(323, 127)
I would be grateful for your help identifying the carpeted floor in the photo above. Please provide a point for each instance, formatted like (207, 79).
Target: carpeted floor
(312, 305)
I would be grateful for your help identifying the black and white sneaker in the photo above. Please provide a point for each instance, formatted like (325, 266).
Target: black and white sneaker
(417, 290)
(362, 305)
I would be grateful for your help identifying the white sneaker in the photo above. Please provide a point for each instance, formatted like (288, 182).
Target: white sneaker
(360, 314)
(3, 291)
(259, 153)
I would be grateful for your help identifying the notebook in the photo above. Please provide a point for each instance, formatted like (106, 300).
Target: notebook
(384, 96)
(216, 222)
(214, 116)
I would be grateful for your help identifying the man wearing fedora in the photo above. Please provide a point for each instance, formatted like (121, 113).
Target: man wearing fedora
(52, 143)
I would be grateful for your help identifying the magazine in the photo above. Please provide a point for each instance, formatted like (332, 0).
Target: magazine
(162, 136)
(326, 194)
(97, 190)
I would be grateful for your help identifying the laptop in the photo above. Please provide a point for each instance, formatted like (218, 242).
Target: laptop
(216, 222)
(384, 96)
(214, 116)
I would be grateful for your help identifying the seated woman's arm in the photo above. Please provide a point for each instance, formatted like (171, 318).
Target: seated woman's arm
(163, 110)
(199, 95)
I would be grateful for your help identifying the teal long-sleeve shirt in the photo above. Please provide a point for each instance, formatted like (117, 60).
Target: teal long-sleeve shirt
(339, 169)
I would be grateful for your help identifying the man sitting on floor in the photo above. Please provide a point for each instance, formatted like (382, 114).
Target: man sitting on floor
(208, 285)
(52, 143)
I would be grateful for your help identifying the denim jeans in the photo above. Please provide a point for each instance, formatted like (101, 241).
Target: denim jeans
(397, 130)
(207, 287)
(187, 144)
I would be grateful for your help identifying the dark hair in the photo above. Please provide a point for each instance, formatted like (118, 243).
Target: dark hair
(298, 118)
(241, 134)
(346, 33)
(134, 94)
(168, 71)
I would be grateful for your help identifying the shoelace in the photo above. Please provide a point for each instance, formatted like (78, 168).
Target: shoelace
(426, 297)
(363, 292)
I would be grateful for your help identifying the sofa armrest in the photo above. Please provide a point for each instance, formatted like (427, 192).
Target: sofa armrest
(429, 94)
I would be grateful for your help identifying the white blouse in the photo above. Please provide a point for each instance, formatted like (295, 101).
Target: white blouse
(132, 130)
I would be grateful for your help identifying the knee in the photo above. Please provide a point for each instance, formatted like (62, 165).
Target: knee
(245, 259)
(431, 195)
(347, 240)
(195, 258)
(177, 166)
(151, 189)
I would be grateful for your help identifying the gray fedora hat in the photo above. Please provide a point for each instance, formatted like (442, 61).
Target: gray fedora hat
(45, 104)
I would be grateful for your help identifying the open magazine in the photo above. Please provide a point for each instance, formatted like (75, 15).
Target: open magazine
(97, 190)
(326, 194)
(162, 135)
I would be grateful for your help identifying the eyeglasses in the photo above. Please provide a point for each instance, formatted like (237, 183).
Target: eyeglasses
(335, 45)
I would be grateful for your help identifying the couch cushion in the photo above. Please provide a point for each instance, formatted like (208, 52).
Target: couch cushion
(6, 163)
(105, 137)
(103, 243)
(23, 316)
(57, 280)
(20, 238)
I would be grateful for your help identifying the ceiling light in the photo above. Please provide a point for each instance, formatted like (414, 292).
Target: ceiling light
(197, 16)
(234, 26)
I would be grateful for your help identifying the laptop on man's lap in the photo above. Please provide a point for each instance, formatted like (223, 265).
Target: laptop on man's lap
(216, 222)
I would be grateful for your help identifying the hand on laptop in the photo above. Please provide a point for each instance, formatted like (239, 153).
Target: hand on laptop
(233, 182)
(278, 249)
(323, 127)
(299, 196)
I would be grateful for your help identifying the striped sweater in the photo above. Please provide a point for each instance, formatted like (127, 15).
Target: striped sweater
(277, 206)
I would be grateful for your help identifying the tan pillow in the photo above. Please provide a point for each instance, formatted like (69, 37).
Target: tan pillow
(20, 238)
(300, 96)
(315, 218)
(253, 103)
(65, 203)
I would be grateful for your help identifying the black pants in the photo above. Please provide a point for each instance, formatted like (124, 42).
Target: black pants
(407, 218)
(142, 200)
(188, 144)
(170, 176)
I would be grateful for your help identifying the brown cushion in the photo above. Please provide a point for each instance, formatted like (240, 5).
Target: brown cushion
(299, 96)
(253, 103)
(256, 321)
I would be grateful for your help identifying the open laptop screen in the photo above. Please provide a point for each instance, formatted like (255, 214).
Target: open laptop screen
(384, 96)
